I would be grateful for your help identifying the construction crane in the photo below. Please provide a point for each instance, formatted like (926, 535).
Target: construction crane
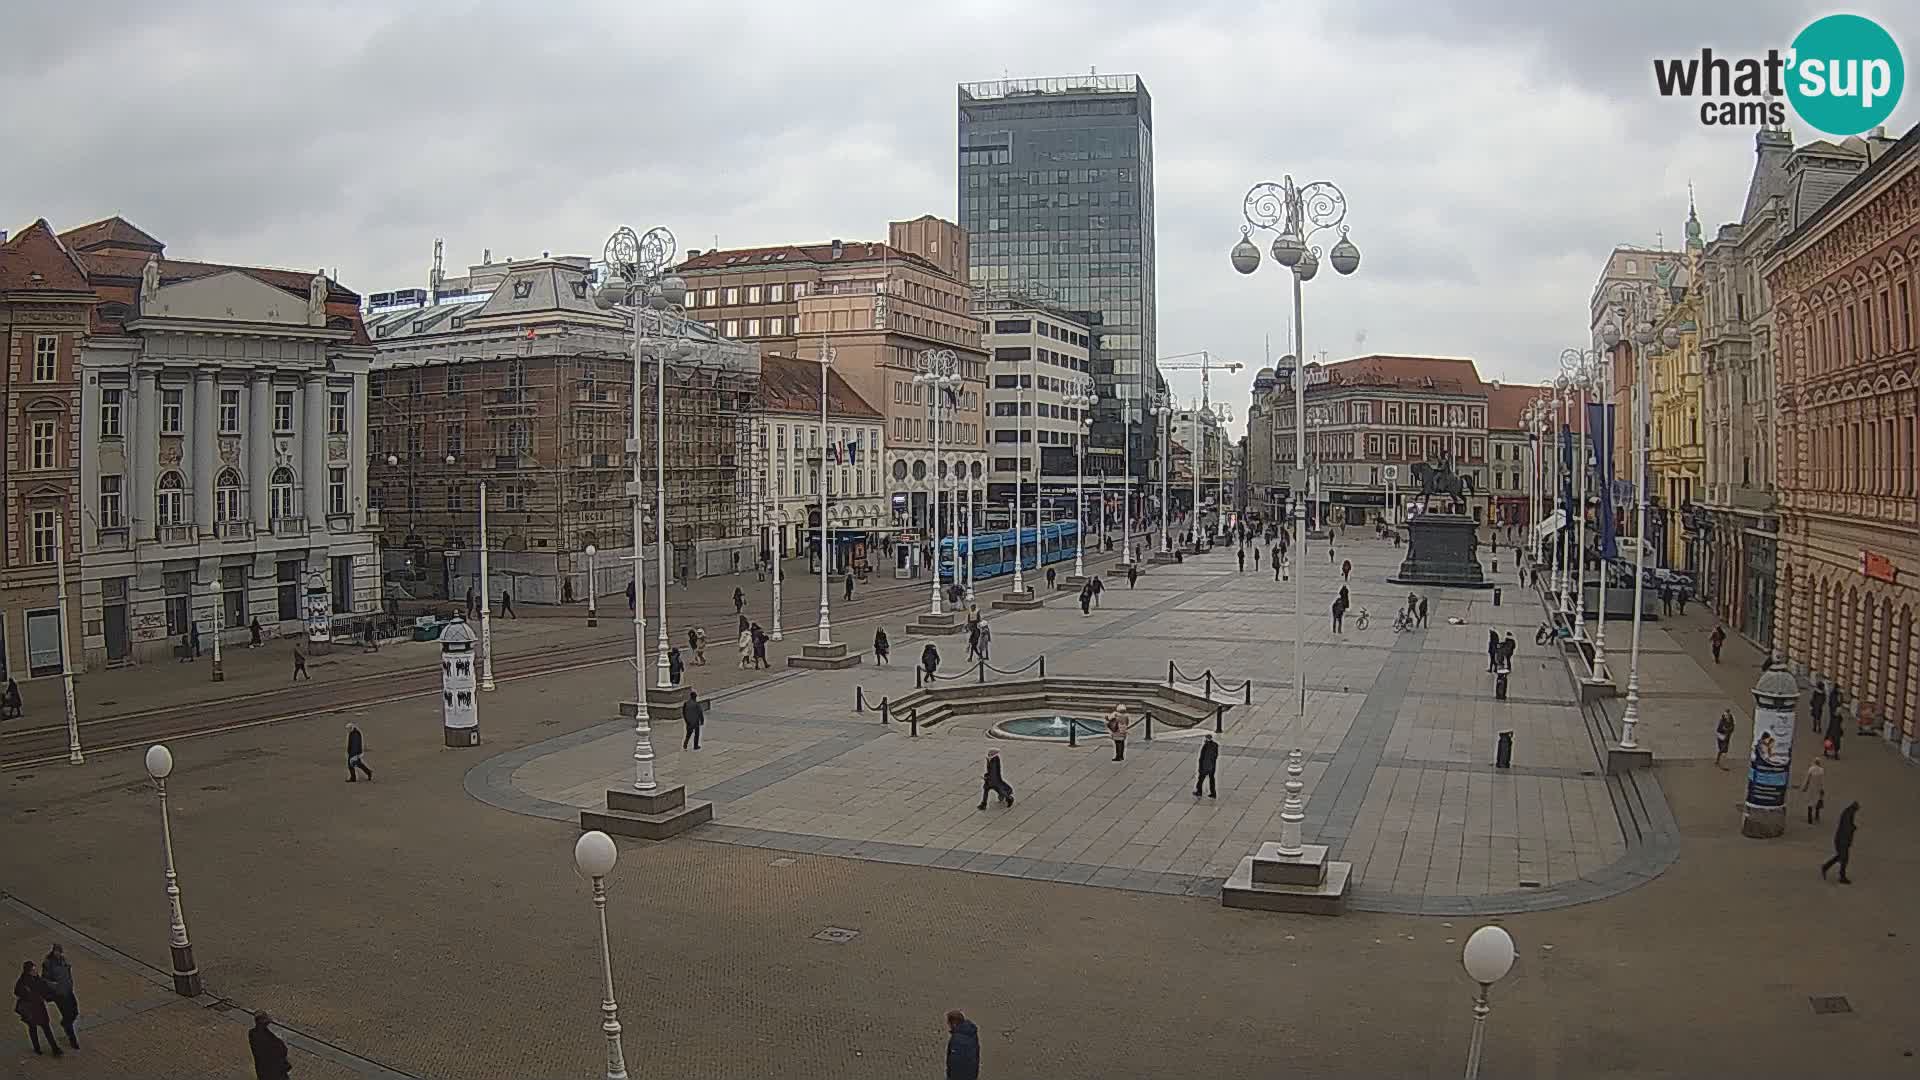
(1205, 364)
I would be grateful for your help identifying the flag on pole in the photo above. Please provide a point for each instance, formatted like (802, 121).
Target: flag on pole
(953, 399)
(1600, 438)
(1566, 475)
(853, 450)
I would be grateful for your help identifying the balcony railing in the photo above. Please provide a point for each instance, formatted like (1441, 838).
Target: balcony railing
(290, 526)
(177, 534)
(241, 529)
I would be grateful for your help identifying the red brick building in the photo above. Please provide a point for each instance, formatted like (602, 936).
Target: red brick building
(1844, 285)
(45, 305)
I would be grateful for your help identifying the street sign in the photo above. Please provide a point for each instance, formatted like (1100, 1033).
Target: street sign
(1391, 472)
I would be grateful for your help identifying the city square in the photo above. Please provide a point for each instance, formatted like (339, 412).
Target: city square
(819, 566)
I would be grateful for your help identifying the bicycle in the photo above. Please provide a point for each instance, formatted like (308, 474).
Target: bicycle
(1402, 622)
(1360, 620)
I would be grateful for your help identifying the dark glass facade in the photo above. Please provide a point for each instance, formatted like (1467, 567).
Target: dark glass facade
(1056, 194)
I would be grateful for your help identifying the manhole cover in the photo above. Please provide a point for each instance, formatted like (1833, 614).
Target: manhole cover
(1826, 1004)
(783, 860)
(836, 935)
(1529, 884)
(213, 787)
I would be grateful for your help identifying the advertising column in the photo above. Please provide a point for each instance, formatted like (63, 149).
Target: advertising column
(459, 705)
(1770, 759)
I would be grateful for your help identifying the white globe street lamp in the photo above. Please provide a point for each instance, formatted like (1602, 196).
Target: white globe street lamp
(1081, 399)
(593, 590)
(594, 856)
(186, 974)
(939, 373)
(1488, 956)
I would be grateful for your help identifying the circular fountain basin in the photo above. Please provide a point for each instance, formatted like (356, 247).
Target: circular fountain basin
(1048, 728)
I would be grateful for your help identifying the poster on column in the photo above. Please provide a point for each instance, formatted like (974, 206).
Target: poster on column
(1770, 760)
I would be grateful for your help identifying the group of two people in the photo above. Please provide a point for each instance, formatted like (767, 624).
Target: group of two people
(36, 988)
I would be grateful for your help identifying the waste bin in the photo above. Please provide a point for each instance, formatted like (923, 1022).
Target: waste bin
(1496, 593)
(1503, 757)
(1500, 685)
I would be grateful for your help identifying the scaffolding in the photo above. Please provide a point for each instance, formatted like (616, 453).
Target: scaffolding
(542, 416)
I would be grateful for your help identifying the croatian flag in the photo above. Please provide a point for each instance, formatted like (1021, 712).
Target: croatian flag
(853, 450)
(1600, 424)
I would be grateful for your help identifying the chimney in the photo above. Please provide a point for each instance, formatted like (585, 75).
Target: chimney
(837, 248)
(693, 253)
(486, 256)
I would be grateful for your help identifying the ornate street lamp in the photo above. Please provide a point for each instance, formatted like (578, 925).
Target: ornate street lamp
(186, 974)
(940, 374)
(594, 855)
(1296, 214)
(637, 280)
(1081, 398)
(1636, 309)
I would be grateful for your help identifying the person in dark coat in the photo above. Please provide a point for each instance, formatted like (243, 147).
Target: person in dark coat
(269, 1053)
(963, 1047)
(759, 638)
(1508, 646)
(1339, 613)
(993, 783)
(1133, 575)
(1718, 639)
(930, 659)
(1346, 569)
(695, 715)
(1835, 729)
(506, 605)
(1098, 587)
(59, 975)
(849, 593)
(739, 600)
(1493, 649)
(1243, 560)
(985, 642)
(880, 646)
(255, 637)
(629, 600)
(10, 700)
(1818, 705)
(30, 997)
(473, 602)
(1422, 620)
(1086, 598)
(675, 666)
(356, 746)
(300, 665)
(973, 639)
(1209, 760)
(1050, 578)
(1842, 843)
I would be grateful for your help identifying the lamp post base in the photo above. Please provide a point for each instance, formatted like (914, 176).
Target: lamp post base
(461, 737)
(219, 672)
(186, 974)
(825, 657)
(1764, 822)
(1623, 760)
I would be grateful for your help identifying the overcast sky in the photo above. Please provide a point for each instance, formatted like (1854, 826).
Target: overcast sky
(1491, 152)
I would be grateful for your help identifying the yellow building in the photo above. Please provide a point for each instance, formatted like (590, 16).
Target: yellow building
(1678, 451)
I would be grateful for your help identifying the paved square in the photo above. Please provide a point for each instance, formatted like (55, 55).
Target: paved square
(1400, 734)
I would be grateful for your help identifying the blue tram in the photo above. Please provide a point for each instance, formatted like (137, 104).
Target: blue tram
(993, 551)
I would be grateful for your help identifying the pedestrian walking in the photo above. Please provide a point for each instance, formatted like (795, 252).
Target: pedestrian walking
(759, 645)
(300, 665)
(1346, 601)
(1209, 761)
(880, 646)
(1330, 557)
(1098, 587)
(1815, 785)
(1842, 843)
(1508, 646)
(356, 753)
(745, 648)
(1086, 599)
(993, 783)
(1339, 612)
(739, 600)
(1049, 579)
(1718, 639)
(1346, 569)
(473, 602)
(973, 640)
(1833, 706)
(693, 644)
(986, 641)
(1242, 553)
(1117, 731)
(695, 714)
(193, 639)
(1256, 558)
(1835, 729)
(1666, 600)
(1722, 737)
(963, 1047)
(1493, 649)
(269, 1053)
(255, 636)
(506, 605)
(1133, 575)
(1819, 704)
(849, 590)
(1275, 562)
(30, 997)
(59, 975)
(930, 660)
(675, 666)
(629, 600)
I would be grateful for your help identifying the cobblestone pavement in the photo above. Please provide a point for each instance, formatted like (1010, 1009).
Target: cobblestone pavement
(1400, 731)
(408, 924)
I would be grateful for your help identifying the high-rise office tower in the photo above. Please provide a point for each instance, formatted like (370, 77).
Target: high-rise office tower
(1056, 194)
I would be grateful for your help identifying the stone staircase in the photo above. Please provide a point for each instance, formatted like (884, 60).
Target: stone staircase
(1308, 883)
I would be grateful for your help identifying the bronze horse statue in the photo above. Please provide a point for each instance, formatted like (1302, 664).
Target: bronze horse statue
(1438, 480)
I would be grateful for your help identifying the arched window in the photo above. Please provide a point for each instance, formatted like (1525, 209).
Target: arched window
(228, 501)
(171, 506)
(281, 491)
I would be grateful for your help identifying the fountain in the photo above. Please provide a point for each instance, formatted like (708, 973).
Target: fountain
(1049, 728)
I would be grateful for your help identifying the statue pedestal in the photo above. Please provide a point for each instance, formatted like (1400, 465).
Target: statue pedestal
(1440, 551)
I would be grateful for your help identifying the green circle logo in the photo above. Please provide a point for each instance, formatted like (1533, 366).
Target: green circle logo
(1845, 74)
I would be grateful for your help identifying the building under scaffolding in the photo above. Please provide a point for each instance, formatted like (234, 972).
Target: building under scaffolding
(512, 377)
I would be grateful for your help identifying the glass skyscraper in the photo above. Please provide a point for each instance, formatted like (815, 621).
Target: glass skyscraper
(1056, 194)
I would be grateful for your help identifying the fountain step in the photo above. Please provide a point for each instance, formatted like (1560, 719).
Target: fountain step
(663, 800)
(935, 629)
(1019, 601)
(825, 657)
(1327, 898)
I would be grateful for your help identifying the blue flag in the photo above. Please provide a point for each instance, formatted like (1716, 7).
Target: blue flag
(1566, 476)
(1600, 429)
